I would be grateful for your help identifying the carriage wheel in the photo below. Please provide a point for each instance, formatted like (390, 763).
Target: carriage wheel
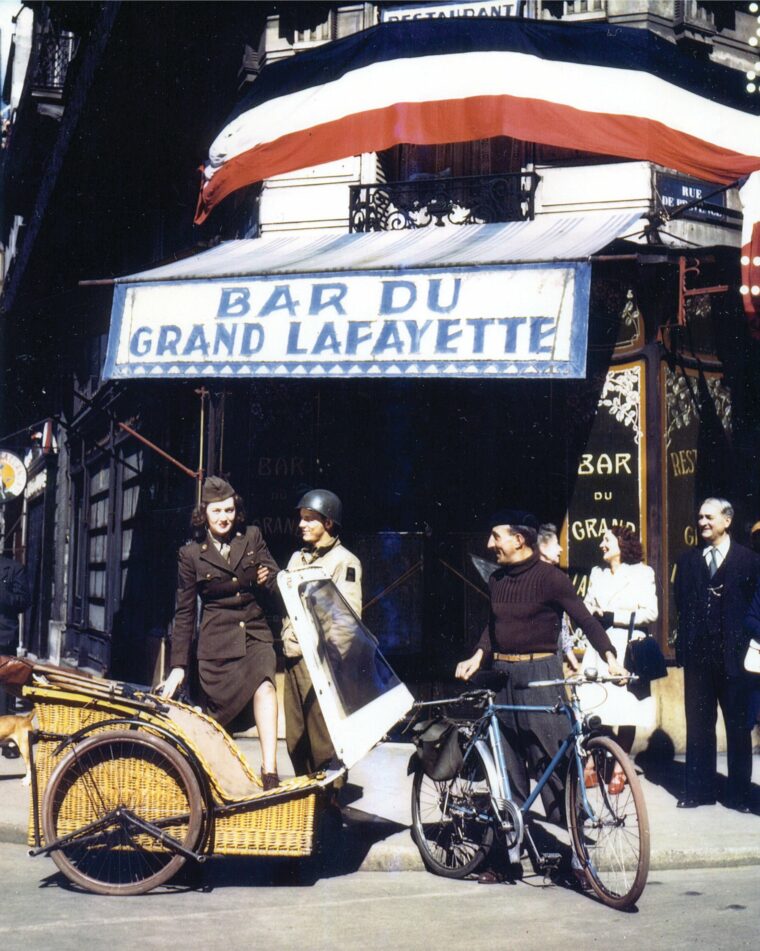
(101, 794)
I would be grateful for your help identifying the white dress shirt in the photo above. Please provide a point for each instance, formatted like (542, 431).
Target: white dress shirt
(721, 551)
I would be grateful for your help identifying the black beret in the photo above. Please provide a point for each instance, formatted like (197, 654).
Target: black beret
(216, 490)
(513, 517)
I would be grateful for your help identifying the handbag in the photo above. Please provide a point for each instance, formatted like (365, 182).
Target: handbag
(438, 748)
(752, 658)
(644, 658)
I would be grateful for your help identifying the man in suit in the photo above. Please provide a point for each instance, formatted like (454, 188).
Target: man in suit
(713, 590)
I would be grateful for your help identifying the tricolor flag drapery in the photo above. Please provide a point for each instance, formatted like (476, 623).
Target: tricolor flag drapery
(594, 87)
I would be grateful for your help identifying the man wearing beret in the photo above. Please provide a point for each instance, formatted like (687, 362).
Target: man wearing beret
(519, 643)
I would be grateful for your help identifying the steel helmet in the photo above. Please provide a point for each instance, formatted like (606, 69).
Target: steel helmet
(324, 503)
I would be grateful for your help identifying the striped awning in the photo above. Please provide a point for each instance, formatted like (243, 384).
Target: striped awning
(546, 238)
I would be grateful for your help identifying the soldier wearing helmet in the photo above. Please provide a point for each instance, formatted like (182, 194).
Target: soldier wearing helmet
(308, 741)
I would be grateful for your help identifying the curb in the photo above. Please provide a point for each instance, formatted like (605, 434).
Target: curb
(402, 855)
(10, 834)
(386, 859)
(672, 859)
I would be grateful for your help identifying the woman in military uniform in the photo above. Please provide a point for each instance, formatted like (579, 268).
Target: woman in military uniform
(227, 566)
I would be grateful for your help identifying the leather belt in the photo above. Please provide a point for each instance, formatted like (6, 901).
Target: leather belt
(516, 658)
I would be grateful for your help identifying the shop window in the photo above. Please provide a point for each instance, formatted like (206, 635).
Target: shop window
(106, 500)
(97, 547)
(495, 156)
(130, 496)
(335, 24)
(33, 561)
(349, 21)
(317, 34)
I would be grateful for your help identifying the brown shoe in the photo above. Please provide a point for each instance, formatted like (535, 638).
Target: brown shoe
(269, 781)
(617, 783)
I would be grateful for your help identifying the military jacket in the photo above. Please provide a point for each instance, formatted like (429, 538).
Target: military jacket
(344, 568)
(230, 608)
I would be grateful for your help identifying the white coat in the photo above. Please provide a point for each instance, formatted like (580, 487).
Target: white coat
(630, 589)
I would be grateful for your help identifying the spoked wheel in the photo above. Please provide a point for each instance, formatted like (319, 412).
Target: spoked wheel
(124, 799)
(610, 835)
(452, 820)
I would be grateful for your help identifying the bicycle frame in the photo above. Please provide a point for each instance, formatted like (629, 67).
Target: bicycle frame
(488, 726)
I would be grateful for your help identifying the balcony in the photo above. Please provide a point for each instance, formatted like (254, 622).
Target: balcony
(481, 199)
(53, 52)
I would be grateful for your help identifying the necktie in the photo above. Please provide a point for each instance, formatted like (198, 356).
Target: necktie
(712, 562)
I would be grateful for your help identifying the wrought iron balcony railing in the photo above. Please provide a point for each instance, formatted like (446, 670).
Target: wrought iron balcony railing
(480, 199)
(54, 52)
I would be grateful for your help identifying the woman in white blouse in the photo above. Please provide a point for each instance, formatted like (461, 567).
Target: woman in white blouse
(622, 591)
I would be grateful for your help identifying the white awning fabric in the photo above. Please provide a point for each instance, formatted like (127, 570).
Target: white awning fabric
(546, 238)
(477, 300)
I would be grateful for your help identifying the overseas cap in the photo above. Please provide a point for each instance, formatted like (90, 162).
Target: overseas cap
(216, 490)
(513, 517)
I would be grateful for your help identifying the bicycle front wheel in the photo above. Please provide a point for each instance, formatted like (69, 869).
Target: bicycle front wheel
(99, 800)
(610, 828)
(452, 820)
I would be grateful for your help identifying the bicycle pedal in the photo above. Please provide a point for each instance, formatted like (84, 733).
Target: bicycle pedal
(550, 861)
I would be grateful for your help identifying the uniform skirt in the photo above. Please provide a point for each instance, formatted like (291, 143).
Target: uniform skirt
(230, 683)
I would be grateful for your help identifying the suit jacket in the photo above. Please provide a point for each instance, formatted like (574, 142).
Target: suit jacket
(231, 611)
(739, 575)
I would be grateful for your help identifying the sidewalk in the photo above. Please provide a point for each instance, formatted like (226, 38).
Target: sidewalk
(377, 814)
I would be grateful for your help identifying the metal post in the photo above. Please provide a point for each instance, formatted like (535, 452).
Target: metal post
(203, 393)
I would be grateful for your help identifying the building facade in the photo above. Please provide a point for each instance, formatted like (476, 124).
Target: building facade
(113, 107)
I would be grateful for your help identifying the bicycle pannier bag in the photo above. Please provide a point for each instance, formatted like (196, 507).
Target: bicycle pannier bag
(438, 749)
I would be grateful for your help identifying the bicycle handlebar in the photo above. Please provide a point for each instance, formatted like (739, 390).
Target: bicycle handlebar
(484, 695)
(481, 695)
(578, 681)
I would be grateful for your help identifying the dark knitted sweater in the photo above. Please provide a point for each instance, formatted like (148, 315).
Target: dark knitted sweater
(527, 602)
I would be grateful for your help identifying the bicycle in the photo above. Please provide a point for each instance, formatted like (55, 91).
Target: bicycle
(456, 820)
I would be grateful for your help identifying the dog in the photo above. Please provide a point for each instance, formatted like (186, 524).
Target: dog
(17, 728)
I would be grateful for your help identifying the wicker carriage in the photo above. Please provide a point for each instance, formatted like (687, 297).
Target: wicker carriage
(127, 786)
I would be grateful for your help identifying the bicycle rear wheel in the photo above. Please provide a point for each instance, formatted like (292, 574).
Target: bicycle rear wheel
(99, 795)
(612, 844)
(452, 820)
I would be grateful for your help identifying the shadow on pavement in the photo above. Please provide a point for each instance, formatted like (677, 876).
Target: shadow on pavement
(659, 766)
